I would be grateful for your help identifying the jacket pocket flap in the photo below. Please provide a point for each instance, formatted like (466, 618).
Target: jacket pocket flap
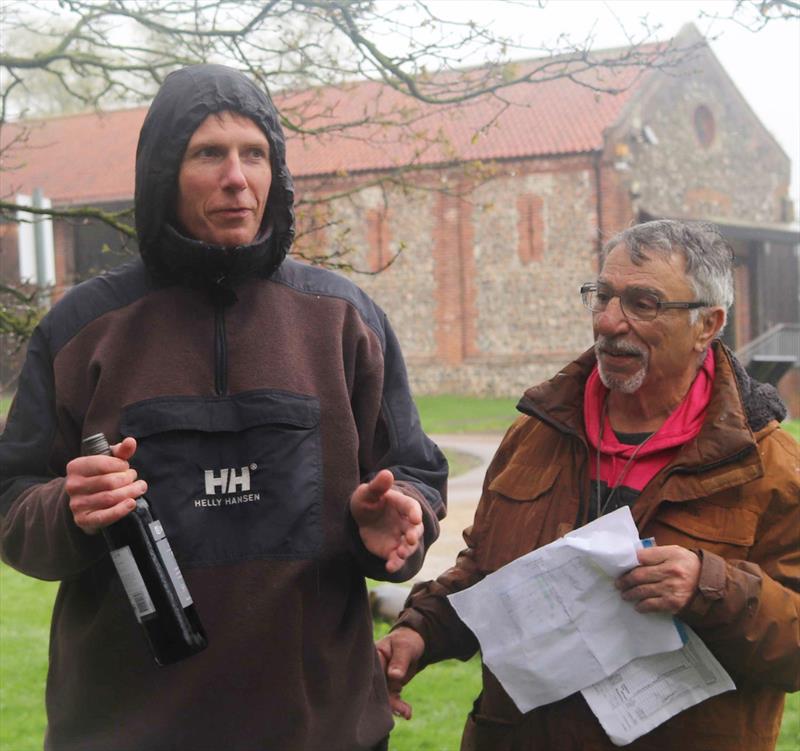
(704, 520)
(220, 414)
(523, 482)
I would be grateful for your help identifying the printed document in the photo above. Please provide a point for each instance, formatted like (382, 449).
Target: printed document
(552, 623)
(649, 690)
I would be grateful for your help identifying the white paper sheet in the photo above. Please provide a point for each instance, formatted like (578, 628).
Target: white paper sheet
(551, 623)
(649, 690)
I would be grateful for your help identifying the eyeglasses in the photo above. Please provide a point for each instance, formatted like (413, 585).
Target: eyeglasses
(639, 304)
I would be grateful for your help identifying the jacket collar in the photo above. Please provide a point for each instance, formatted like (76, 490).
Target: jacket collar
(559, 401)
(739, 407)
(212, 267)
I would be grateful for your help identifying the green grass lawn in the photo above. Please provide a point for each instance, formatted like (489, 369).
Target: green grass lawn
(5, 405)
(466, 414)
(25, 607)
(441, 695)
(792, 427)
(460, 462)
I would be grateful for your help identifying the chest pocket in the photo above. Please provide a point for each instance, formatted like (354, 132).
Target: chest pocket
(523, 483)
(232, 478)
(723, 530)
(514, 521)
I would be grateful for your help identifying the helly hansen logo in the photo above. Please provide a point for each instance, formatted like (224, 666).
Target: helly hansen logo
(228, 480)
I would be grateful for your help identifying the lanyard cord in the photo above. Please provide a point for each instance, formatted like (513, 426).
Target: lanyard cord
(601, 509)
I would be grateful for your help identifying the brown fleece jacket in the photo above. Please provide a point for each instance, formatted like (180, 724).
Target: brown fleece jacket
(299, 381)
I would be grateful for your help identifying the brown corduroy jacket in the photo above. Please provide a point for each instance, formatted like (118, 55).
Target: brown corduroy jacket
(732, 494)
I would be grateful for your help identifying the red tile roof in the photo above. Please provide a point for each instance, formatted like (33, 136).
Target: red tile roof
(89, 157)
(75, 159)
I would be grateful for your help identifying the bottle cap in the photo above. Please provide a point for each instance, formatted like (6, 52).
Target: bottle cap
(95, 444)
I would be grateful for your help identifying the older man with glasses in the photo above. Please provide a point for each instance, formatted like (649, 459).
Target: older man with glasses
(658, 416)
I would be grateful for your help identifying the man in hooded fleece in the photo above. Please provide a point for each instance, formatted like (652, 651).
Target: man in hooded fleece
(215, 356)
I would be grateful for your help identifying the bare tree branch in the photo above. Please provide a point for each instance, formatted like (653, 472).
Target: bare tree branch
(106, 53)
(20, 312)
(11, 210)
(754, 15)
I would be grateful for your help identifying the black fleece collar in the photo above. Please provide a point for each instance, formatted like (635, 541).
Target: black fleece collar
(761, 400)
(213, 267)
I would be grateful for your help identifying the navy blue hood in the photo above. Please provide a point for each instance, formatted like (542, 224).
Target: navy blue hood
(183, 102)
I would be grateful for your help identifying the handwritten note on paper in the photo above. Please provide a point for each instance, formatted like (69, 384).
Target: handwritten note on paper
(649, 690)
(552, 623)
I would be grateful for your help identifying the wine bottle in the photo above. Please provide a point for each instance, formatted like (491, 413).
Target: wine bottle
(152, 578)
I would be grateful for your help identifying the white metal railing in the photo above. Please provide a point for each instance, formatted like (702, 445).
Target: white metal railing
(779, 342)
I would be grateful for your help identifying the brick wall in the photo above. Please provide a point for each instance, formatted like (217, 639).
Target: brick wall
(616, 207)
(483, 283)
(530, 228)
(360, 230)
(484, 293)
(64, 239)
(379, 253)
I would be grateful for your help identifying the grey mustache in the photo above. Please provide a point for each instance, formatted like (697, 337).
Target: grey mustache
(616, 348)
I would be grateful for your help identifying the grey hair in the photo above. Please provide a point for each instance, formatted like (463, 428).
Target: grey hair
(709, 257)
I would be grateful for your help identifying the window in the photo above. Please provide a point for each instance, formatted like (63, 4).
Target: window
(530, 228)
(378, 253)
(704, 126)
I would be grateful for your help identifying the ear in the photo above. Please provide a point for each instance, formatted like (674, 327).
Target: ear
(710, 323)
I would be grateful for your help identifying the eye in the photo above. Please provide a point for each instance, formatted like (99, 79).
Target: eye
(603, 295)
(256, 153)
(642, 302)
(208, 152)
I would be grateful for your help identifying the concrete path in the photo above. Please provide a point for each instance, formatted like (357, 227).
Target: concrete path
(463, 493)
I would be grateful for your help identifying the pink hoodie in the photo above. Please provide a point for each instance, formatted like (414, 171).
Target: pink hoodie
(679, 428)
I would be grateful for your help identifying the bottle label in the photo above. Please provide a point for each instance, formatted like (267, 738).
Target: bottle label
(170, 564)
(133, 582)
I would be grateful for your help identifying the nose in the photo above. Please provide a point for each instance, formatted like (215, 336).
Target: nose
(611, 321)
(233, 177)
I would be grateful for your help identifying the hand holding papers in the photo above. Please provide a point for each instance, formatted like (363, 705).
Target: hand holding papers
(552, 623)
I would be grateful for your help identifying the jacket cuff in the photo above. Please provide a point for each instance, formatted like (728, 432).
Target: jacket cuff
(410, 618)
(710, 586)
(416, 621)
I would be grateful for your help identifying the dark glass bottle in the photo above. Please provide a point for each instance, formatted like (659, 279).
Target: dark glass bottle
(152, 578)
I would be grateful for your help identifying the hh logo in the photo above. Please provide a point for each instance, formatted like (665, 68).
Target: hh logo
(228, 480)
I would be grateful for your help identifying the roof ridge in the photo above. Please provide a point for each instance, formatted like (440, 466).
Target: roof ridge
(355, 82)
(387, 128)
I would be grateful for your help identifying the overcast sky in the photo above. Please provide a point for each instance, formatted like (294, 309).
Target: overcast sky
(765, 65)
